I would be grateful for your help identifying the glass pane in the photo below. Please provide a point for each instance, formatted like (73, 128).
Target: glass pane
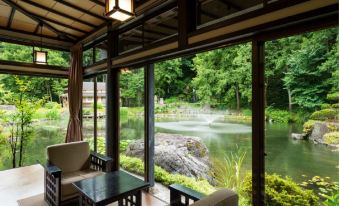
(101, 51)
(43, 105)
(302, 84)
(16, 52)
(87, 57)
(203, 120)
(132, 120)
(210, 10)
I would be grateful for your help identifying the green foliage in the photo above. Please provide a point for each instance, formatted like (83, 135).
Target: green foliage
(132, 88)
(53, 114)
(281, 191)
(331, 138)
(231, 165)
(124, 144)
(224, 76)
(308, 126)
(277, 115)
(324, 114)
(333, 96)
(247, 112)
(52, 105)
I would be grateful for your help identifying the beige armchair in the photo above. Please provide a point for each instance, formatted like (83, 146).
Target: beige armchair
(183, 196)
(68, 163)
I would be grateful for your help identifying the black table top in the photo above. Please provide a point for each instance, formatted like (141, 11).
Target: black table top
(110, 187)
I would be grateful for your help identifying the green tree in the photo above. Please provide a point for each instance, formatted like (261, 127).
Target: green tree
(224, 76)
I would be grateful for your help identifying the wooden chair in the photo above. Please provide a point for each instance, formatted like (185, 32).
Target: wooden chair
(68, 163)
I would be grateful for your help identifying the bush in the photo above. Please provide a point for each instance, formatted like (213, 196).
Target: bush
(335, 106)
(277, 115)
(247, 112)
(281, 192)
(171, 100)
(333, 96)
(52, 105)
(324, 114)
(53, 114)
(308, 126)
(331, 138)
(325, 106)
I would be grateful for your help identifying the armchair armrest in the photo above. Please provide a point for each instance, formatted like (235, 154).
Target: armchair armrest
(52, 184)
(53, 170)
(177, 191)
(100, 162)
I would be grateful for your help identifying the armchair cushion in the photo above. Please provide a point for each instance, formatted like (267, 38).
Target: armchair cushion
(70, 157)
(222, 197)
(67, 189)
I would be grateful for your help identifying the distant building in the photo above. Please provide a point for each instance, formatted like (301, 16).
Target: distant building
(88, 94)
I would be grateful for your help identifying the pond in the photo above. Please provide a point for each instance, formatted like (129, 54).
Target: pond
(285, 156)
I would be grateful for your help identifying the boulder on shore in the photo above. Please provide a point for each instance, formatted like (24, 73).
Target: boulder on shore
(176, 153)
(319, 130)
(298, 136)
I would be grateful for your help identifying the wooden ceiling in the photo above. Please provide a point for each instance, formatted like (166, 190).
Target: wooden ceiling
(66, 20)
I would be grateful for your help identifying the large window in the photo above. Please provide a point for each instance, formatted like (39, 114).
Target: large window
(132, 120)
(301, 81)
(33, 115)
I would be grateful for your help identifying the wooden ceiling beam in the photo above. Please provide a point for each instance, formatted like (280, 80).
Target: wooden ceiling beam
(38, 20)
(230, 4)
(59, 13)
(65, 3)
(63, 25)
(98, 2)
(10, 19)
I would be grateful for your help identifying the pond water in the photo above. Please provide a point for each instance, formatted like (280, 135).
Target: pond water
(284, 155)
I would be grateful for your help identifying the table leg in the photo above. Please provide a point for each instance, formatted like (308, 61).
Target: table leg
(131, 200)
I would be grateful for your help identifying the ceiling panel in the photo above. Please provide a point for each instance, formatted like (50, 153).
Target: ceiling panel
(5, 10)
(22, 25)
(3, 21)
(18, 16)
(67, 10)
(32, 9)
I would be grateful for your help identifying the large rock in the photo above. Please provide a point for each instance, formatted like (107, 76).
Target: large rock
(176, 153)
(320, 129)
(298, 136)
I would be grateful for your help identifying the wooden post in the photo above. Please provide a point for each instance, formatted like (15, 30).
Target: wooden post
(112, 103)
(95, 109)
(258, 123)
(149, 123)
(187, 16)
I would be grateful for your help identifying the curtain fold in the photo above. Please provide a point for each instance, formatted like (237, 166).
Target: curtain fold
(74, 130)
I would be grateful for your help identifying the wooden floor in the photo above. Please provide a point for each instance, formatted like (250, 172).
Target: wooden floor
(25, 182)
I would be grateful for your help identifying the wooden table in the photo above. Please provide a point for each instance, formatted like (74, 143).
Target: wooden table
(110, 187)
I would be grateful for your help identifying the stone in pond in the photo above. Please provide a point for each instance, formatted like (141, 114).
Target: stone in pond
(176, 153)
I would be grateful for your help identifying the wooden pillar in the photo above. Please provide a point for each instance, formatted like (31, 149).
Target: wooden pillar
(95, 117)
(258, 123)
(149, 123)
(187, 20)
(112, 101)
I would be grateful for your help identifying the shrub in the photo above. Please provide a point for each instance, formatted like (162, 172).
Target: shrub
(52, 105)
(247, 112)
(324, 114)
(333, 96)
(277, 115)
(331, 138)
(335, 106)
(281, 191)
(308, 126)
(86, 111)
(171, 100)
(325, 106)
(53, 114)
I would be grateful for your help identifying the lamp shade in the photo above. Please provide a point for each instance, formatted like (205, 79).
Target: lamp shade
(119, 9)
(40, 57)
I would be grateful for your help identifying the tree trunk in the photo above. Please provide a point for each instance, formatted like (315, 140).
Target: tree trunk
(289, 100)
(238, 98)
(21, 134)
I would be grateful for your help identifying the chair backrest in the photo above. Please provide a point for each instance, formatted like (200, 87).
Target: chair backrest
(69, 157)
(222, 197)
